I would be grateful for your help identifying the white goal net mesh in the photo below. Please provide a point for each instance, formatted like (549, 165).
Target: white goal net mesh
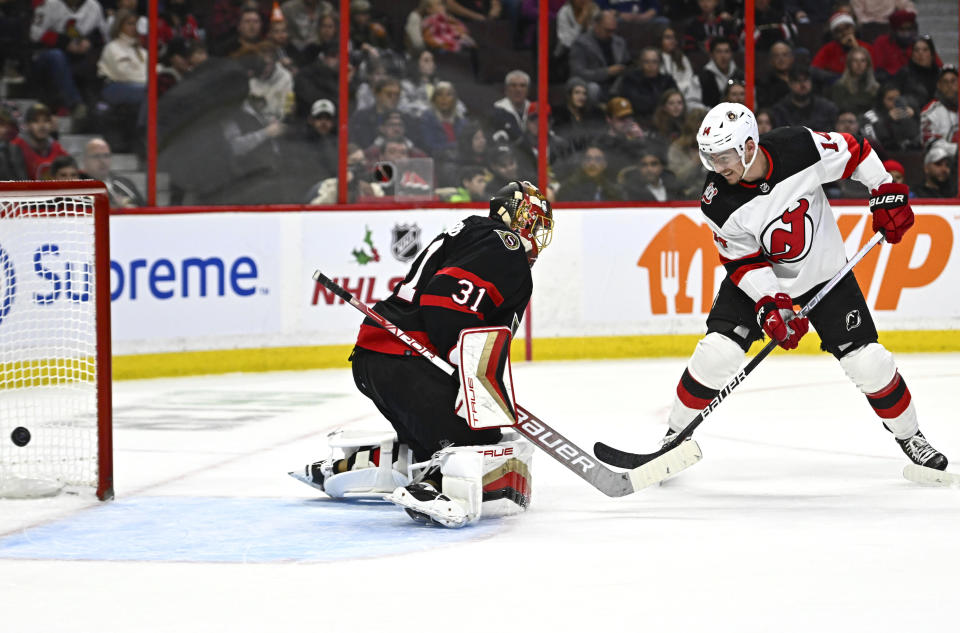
(48, 344)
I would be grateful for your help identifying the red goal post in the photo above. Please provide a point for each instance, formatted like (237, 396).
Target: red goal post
(55, 355)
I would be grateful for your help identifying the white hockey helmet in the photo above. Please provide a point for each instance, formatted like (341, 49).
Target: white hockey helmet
(727, 126)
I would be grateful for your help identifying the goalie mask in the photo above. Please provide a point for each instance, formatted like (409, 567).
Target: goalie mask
(727, 127)
(527, 212)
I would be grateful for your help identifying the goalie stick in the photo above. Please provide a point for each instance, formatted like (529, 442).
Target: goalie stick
(624, 459)
(607, 481)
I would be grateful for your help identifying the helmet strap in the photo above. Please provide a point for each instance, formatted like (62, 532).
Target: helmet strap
(743, 157)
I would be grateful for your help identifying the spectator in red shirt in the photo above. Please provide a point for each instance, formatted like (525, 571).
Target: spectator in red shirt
(831, 59)
(38, 147)
(891, 51)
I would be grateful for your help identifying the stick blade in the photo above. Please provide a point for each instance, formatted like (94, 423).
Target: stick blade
(622, 459)
(667, 465)
(930, 476)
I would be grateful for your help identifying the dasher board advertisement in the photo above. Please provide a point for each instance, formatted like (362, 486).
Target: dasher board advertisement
(201, 281)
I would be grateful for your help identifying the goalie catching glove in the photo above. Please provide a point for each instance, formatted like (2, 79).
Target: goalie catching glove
(776, 316)
(891, 210)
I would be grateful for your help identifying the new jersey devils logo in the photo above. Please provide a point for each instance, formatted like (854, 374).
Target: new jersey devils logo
(787, 239)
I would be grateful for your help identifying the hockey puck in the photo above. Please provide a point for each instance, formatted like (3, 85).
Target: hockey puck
(20, 436)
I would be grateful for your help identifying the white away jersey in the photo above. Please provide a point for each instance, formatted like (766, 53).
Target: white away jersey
(779, 234)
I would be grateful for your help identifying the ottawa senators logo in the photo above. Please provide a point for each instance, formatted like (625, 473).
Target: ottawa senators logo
(787, 239)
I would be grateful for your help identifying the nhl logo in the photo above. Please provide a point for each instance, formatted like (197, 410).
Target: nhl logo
(764, 187)
(853, 319)
(405, 242)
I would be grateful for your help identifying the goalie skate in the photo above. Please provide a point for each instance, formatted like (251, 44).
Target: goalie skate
(314, 474)
(425, 505)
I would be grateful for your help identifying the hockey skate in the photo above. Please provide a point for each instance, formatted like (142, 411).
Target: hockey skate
(921, 453)
(426, 505)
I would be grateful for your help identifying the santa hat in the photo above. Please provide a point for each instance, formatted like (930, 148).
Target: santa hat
(839, 18)
(276, 15)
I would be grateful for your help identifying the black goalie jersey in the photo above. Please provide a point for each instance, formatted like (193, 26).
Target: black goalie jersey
(476, 274)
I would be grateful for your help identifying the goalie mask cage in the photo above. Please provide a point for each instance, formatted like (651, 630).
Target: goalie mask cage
(55, 392)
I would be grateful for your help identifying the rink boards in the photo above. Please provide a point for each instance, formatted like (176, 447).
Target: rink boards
(216, 291)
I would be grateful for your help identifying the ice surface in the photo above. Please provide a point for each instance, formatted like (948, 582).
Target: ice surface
(797, 519)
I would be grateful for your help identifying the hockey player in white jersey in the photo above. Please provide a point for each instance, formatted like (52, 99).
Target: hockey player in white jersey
(779, 241)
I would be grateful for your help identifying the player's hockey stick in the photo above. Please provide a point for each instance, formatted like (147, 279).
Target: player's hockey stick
(609, 482)
(623, 459)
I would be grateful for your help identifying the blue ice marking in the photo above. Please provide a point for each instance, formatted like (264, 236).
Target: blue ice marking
(235, 530)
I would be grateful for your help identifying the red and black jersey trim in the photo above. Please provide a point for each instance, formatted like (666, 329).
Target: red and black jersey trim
(737, 268)
(460, 273)
(766, 177)
(859, 148)
(377, 339)
(692, 394)
(892, 400)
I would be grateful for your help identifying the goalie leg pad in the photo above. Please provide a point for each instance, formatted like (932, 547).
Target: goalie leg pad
(874, 371)
(489, 481)
(715, 360)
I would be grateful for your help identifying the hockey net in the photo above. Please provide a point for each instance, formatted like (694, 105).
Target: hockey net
(55, 396)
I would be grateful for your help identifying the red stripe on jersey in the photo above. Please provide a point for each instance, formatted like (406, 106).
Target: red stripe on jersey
(724, 260)
(448, 303)
(377, 339)
(689, 400)
(460, 273)
(769, 163)
(857, 153)
(738, 275)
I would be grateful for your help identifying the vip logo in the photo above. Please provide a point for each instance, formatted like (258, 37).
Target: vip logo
(709, 192)
(681, 263)
(853, 320)
(406, 241)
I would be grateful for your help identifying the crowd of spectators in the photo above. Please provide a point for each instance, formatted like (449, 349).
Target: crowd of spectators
(442, 97)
